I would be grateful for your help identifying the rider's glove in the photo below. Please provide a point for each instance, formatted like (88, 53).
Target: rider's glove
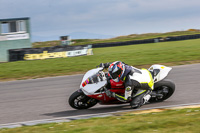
(101, 65)
(104, 65)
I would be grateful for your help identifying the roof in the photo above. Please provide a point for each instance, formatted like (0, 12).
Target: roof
(11, 19)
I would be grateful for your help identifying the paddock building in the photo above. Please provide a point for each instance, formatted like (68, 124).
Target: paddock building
(14, 34)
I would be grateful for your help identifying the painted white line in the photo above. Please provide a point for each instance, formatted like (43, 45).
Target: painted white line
(69, 118)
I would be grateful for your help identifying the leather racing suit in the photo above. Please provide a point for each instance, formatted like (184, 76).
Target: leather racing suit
(137, 81)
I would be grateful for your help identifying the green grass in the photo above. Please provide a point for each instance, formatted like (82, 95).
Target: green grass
(117, 39)
(46, 44)
(171, 121)
(136, 55)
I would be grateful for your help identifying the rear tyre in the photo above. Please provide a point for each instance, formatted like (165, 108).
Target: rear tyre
(78, 100)
(163, 90)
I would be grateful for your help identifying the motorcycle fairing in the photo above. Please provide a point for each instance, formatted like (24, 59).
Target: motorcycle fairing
(91, 88)
(159, 75)
(105, 99)
(90, 73)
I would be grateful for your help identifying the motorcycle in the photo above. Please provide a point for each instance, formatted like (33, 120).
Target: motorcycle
(92, 88)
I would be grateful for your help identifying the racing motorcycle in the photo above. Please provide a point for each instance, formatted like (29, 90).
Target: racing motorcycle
(92, 88)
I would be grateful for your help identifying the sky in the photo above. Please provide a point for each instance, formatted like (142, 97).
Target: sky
(51, 19)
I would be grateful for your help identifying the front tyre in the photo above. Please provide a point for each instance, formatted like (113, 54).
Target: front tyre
(78, 100)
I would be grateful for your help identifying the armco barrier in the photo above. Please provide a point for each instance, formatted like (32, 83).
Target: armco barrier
(185, 37)
(112, 44)
(174, 38)
(49, 52)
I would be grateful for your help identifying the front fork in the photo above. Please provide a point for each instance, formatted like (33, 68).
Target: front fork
(79, 90)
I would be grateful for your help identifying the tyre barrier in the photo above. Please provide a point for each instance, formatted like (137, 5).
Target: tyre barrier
(49, 52)
(154, 40)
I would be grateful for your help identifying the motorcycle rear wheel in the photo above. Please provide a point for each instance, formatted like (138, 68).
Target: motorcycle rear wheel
(78, 100)
(166, 88)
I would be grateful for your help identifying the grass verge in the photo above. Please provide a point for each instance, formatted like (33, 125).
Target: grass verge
(176, 121)
(173, 53)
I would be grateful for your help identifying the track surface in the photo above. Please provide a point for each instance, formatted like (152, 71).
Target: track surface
(46, 98)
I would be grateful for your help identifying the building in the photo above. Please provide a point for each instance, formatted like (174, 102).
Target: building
(65, 40)
(14, 34)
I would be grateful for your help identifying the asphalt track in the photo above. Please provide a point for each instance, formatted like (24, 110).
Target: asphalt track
(46, 98)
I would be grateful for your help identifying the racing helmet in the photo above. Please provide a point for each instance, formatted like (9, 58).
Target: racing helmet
(116, 70)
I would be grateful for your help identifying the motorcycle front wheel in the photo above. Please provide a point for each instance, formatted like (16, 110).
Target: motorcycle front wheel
(78, 100)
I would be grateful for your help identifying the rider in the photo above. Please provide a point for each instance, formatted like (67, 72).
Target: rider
(133, 79)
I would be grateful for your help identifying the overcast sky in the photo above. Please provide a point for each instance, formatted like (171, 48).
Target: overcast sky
(54, 18)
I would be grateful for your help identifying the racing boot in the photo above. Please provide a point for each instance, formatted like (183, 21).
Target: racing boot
(137, 101)
(146, 98)
(140, 100)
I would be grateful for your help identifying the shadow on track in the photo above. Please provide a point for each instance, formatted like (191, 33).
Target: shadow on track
(89, 111)
(102, 109)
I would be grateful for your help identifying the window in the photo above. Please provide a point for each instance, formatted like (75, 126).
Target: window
(21, 25)
(4, 27)
(13, 26)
